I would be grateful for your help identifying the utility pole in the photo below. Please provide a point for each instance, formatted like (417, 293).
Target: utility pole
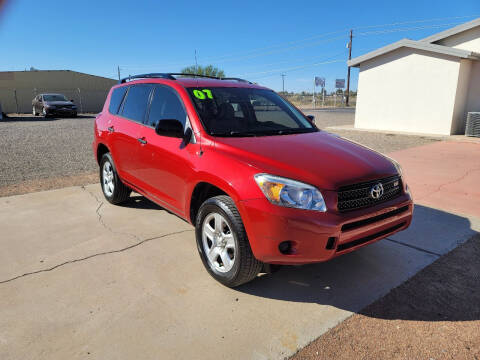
(283, 83)
(118, 70)
(348, 72)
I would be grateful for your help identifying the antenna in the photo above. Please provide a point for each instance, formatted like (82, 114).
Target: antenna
(196, 64)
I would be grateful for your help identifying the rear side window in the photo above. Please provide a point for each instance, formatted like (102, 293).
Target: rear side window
(166, 104)
(135, 104)
(116, 99)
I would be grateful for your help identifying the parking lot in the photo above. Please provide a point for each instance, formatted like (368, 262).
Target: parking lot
(86, 279)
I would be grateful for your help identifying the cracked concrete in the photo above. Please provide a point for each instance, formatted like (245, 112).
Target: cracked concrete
(76, 283)
(80, 277)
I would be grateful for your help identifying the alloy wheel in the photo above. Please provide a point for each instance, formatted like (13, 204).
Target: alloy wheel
(218, 242)
(107, 179)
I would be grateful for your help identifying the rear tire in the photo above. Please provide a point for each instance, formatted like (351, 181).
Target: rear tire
(223, 243)
(113, 189)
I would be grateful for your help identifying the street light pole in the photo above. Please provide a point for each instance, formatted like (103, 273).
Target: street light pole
(347, 99)
(283, 83)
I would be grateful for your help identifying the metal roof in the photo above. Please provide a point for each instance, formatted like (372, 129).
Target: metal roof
(452, 31)
(426, 45)
(419, 45)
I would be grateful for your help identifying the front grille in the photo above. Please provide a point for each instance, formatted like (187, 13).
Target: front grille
(358, 196)
(374, 219)
(368, 238)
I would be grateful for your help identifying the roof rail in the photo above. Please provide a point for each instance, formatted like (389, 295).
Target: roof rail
(147, 76)
(171, 76)
(238, 79)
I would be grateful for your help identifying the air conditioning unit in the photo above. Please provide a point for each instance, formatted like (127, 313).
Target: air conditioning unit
(473, 124)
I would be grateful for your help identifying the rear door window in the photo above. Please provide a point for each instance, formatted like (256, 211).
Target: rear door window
(116, 99)
(135, 105)
(166, 104)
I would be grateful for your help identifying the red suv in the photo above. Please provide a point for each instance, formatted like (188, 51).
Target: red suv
(258, 180)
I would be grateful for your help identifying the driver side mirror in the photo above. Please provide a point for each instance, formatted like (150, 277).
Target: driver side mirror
(311, 118)
(170, 128)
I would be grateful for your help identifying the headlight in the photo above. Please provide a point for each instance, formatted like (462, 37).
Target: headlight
(290, 193)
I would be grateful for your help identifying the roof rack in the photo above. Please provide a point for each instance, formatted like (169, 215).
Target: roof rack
(171, 76)
(147, 76)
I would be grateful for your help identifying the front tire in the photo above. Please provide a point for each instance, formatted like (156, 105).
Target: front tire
(112, 187)
(223, 243)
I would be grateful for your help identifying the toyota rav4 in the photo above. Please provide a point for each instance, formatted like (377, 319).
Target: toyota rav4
(259, 181)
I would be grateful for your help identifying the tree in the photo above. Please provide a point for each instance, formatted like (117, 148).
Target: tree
(208, 70)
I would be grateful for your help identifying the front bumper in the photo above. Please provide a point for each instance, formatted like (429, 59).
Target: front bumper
(318, 236)
(61, 111)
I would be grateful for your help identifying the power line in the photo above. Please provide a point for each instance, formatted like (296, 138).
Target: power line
(299, 68)
(377, 32)
(415, 21)
(256, 52)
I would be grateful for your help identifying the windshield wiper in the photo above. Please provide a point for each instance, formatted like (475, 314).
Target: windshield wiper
(233, 133)
(286, 131)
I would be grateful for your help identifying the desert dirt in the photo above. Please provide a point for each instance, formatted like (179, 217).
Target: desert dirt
(433, 315)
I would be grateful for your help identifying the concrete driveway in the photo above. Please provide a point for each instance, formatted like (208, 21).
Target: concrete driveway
(80, 278)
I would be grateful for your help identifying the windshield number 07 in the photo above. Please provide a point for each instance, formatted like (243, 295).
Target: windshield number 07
(201, 94)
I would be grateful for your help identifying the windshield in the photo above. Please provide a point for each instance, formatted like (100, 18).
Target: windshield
(54, 97)
(247, 112)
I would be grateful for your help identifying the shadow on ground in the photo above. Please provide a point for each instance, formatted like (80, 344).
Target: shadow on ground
(141, 202)
(447, 290)
(451, 292)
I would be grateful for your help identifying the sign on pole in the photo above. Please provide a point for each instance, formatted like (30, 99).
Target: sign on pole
(319, 81)
(340, 83)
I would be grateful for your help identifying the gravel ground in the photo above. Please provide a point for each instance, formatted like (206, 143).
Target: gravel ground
(38, 154)
(381, 142)
(433, 315)
(33, 148)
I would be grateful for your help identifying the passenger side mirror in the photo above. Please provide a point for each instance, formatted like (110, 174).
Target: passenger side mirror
(170, 128)
(311, 118)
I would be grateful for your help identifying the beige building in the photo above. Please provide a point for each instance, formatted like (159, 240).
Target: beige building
(18, 88)
(424, 86)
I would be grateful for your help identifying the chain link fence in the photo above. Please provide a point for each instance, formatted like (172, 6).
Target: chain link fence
(307, 101)
(20, 100)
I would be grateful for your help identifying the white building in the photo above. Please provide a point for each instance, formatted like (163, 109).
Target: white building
(424, 86)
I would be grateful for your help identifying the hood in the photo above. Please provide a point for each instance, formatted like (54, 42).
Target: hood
(320, 158)
(58, 103)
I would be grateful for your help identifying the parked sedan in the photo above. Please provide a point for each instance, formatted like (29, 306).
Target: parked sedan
(53, 104)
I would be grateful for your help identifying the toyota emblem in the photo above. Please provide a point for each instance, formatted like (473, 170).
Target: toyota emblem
(376, 191)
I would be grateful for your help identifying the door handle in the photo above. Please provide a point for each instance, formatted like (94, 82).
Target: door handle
(142, 141)
(111, 129)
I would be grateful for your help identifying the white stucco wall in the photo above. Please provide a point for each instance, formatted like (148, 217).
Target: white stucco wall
(459, 117)
(473, 101)
(467, 40)
(408, 90)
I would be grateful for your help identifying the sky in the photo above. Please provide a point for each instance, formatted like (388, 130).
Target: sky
(257, 40)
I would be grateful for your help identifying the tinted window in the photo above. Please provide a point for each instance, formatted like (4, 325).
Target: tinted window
(226, 111)
(116, 99)
(166, 104)
(136, 102)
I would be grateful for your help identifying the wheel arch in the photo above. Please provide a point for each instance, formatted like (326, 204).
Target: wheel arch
(102, 149)
(204, 190)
